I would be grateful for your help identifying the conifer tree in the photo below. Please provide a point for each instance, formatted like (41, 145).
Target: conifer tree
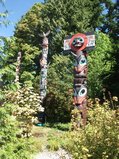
(111, 27)
(62, 18)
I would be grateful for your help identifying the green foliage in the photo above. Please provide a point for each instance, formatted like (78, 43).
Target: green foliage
(8, 62)
(8, 58)
(99, 65)
(7, 122)
(53, 143)
(110, 23)
(62, 18)
(28, 28)
(29, 65)
(11, 147)
(27, 40)
(111, 27)
(67, 17)
(42, 17)
(19, 149)
(3, 15)
(76, 121)
(59, 126)
(58, 101)
(28, 104)
(99, 139)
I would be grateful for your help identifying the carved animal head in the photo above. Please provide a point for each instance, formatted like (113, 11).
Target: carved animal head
(78, 42)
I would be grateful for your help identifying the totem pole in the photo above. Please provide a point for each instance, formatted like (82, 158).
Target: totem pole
(18, 67)
(43, 64)
(78, 45)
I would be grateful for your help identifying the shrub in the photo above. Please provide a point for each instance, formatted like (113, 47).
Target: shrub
(27, 104)
(99, 139)
(12, 147)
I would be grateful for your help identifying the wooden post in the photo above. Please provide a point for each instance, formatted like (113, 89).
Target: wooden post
(43, 64)
(18, 67)
(80, 85)
(78, 44)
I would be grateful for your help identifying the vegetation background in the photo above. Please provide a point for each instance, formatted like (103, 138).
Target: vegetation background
(19, 102)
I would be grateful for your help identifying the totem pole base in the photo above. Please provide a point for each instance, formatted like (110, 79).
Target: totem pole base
(79, 118)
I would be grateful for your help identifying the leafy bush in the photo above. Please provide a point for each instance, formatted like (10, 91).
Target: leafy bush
(27, 103)
(12, 147)
(99, 139)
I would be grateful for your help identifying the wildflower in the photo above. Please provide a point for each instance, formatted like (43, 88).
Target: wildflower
(97, 99)
(114, 98)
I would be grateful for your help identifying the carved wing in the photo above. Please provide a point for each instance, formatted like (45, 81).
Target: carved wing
(44, 34)
(47, 33)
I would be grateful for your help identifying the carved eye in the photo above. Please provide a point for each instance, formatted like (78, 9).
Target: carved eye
(83, 61)
(83, 92)
(81, 40)
(74, 41)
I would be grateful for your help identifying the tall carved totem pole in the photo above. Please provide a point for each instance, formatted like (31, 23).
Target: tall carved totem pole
(78, 45)
(43, 64)
(18, 67)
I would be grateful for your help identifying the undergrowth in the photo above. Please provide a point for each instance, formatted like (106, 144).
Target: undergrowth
(98, 140)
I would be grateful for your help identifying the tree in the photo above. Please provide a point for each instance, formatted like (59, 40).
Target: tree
(8, 57)
(99, 65)
(3, 15)
(62, 18)
(69, 17)
(28, 69)
(28, 28)
(110, 23)
(58, 101)
(28, 41)
(111, 26)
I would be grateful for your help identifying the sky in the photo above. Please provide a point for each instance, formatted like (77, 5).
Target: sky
(16, 9)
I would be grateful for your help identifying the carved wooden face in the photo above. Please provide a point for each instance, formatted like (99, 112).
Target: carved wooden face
(78, 42)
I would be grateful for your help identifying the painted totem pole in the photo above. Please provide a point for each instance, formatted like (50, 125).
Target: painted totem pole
(43, 64)
(18, 67)
(78, 45)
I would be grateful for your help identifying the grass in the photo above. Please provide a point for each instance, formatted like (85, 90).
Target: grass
(49, 136)
(59, 126)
